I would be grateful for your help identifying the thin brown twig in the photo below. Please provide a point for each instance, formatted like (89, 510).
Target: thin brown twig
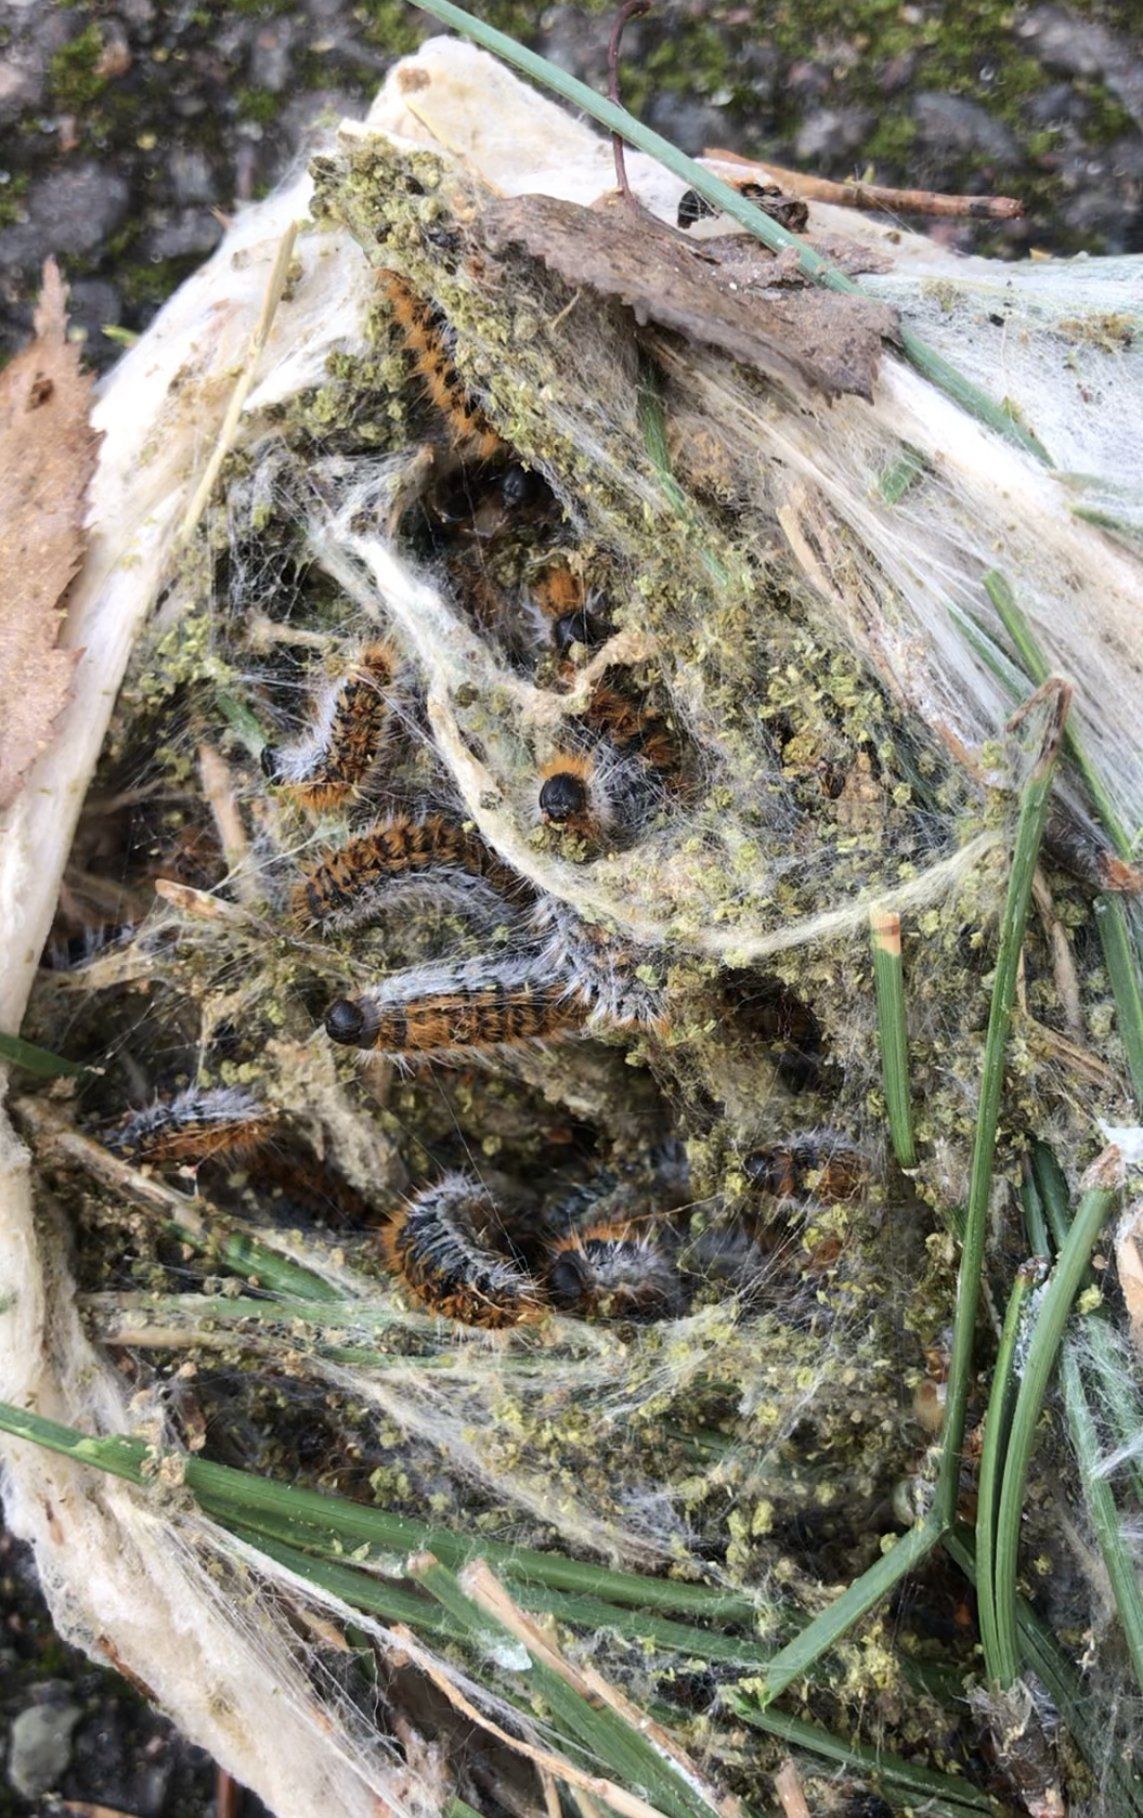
(1063, 960)
(480, 1582)
(628, 1805)
(1054, 696)
(222, 799)
(631, 9)
(853, 194)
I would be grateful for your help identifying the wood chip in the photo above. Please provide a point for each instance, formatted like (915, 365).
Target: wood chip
(726, 293)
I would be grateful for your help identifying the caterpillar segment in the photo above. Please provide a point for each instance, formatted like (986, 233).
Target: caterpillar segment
(335, 760)
(597, 794)
(623, 717)
(428, 339)
(614, 1271)
(818, 1166)
(450, 1013)
(195, 1126)
(348, 883)
(450, 1253)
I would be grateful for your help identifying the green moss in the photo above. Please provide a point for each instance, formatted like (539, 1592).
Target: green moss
(74, 80)
(12, 199)
(258, 104)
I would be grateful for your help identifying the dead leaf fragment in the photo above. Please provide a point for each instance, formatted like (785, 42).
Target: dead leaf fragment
(724, 293)
(47, 456)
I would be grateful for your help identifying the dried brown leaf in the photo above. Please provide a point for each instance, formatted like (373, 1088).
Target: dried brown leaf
(47, 455)
(725, 293)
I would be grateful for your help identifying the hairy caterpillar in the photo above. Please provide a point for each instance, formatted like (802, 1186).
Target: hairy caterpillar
(447, 1248)
(614, 1271)
(426, 335)
(347, 883)
(564, 609)
(819, 1165)
(195, 1125)
(607, 783)
(557, 590)
(337, 756)
(596, 794)
(482, 501)
(448, 1012)
(633, 727)
(616, 979)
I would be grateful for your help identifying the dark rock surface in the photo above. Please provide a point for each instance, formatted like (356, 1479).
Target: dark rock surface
(128, 123)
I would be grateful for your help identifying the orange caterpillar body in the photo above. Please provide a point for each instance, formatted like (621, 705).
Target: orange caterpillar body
(558, 590)
(632, 727)
(475, 1007)
(449, 1251)
(567, 613)
(335, 760)
(346, 883)
(195, 1125)
(819, 1166)
(424, 335)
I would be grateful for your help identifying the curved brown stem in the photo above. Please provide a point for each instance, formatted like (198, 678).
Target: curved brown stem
(631, 9)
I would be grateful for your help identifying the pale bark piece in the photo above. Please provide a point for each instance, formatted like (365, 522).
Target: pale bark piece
(719, 294)
(47, 456)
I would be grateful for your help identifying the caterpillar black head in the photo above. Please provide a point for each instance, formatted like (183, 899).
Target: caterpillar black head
(345, 1022)
(563, 797)
(579, 627)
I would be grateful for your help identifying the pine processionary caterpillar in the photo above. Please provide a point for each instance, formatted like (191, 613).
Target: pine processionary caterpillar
(448, 1251)
(194, 1126)
(613, 977)
(469, 1009)
(337, 756)
(345, 885)
(557, 590)
(425, 335)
